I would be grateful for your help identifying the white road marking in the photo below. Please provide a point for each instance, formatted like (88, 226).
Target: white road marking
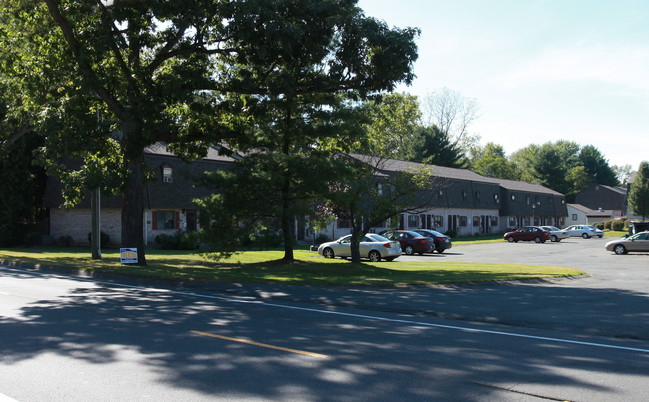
(354, 315)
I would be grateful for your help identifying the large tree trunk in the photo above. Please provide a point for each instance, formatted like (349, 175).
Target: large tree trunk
(355, 245)
(133, 209)
(133, 197)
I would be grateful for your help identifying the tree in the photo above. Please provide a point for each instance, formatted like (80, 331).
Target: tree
(638, 198)
(452, 114)
(368, 193)
(393, 127)
(166, 71)
(623, 173)
(316, 62)
(549, 168)
(578, 180)
(597, 167)
(437, 149)
(491, 161)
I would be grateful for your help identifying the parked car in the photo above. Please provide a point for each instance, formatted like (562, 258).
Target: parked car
(411, 242)
(528, 233)
(556, 234)
(442, 241)
(585, 231)
(637, 242)
(372, 247)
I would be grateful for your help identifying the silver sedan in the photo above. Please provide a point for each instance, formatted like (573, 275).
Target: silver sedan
(372, 246)
(637, 242)
(555, 233)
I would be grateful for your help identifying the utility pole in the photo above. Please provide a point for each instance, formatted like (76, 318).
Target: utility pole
(95, 233)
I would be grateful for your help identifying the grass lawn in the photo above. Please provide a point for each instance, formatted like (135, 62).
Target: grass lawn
(264, 267)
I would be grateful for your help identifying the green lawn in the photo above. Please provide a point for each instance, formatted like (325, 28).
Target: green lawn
(264, 267)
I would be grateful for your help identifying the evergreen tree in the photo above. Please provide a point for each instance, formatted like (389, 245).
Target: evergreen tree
(638, 198)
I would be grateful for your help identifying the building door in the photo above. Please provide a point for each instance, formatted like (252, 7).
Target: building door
(190, 219)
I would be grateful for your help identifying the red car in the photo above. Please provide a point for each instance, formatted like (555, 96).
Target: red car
(411, 242)
(528, 233)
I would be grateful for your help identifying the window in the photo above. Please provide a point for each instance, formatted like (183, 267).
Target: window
(164, 220)
(167, 174)
(513, 197)
(512, 221)
(413, 221)
(379, 188)
(528, 200)
(344, 223)
(463, 220)
(477, 196)
(550, 200)
(440, 194)
(439, 221)
(574, 217)
(494, 221)
(464, 195)
(476, 221)
(496, 198)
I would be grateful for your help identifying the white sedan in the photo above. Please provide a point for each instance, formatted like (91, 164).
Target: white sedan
(585, 231)
(372, 246)
(555, 233)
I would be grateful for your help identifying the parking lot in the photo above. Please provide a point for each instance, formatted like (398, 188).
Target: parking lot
(630, 272)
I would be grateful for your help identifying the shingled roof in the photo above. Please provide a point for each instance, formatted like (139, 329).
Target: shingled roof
(394, 165)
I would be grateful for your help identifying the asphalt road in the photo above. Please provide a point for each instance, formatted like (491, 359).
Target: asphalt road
(74, 339)
(77, 339)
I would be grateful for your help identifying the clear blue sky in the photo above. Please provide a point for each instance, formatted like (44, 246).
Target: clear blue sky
(541, 70)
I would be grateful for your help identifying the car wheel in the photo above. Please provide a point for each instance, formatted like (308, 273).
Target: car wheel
(328, 253)
(410, 250)
(554, 238)
(440, 250)
(619, 249)
(599, 236)
(537, 239)
(374, 256)
(585, 236)
(510, 239)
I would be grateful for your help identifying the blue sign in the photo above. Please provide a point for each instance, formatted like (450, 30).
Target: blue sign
(128, 255)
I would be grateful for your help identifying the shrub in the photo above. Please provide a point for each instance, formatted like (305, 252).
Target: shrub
(32, 239)
(104, 239)
(451, 233)
(65, 240)
(321, 238)
(600, 225)
(617, 226)
(607, 224)
(264, 238)
(178, 241)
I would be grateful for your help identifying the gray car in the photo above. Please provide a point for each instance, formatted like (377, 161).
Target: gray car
(372, 247)
(585, 231)
(637, 242)
(555, 233)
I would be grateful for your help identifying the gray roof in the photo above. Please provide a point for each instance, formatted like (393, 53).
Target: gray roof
(160, 148)
(395, 165)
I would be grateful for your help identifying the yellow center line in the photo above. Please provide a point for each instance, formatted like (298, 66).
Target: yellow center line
(263, 345)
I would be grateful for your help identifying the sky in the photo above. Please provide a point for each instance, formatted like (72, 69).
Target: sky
(541, 70)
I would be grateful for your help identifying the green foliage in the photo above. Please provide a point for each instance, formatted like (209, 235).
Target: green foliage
(280, 76)
(178, 241)
(451, 233)
(617, 225)
(491, 161)
(638, 198)
(563, 166)
(104, 239)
